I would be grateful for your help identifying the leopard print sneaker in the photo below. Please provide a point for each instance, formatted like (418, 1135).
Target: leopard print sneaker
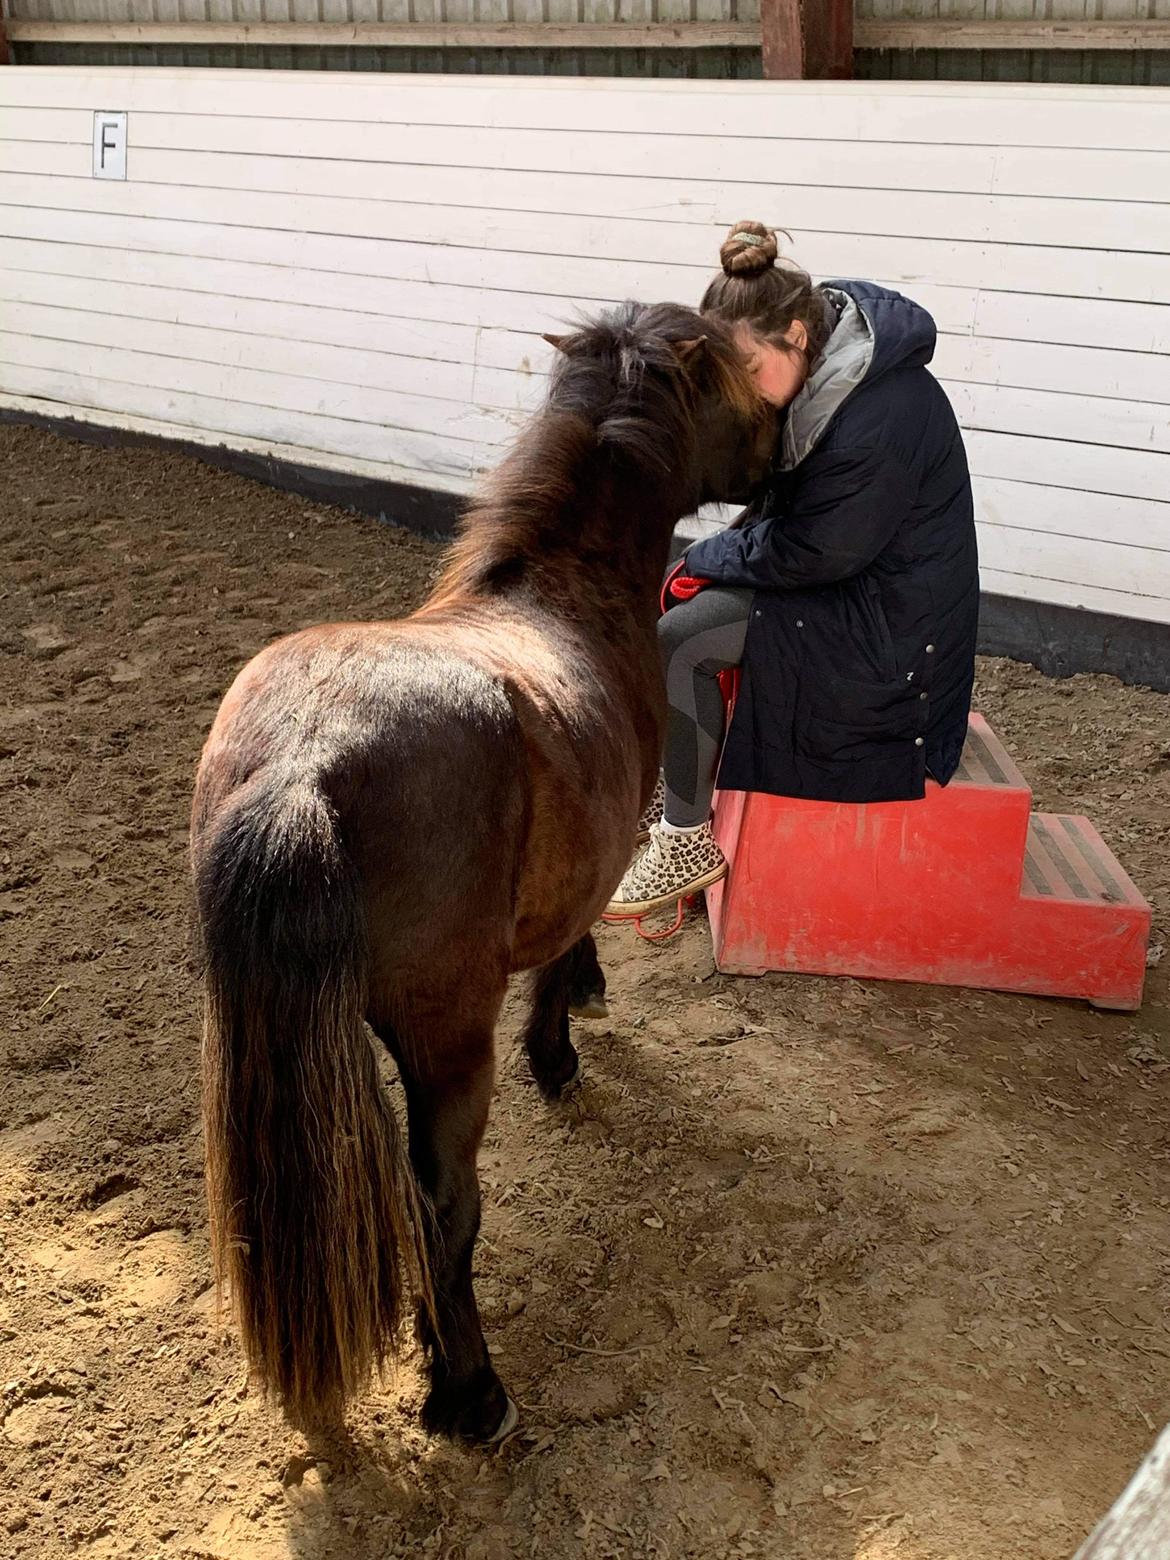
(671, 867)
(651, 813)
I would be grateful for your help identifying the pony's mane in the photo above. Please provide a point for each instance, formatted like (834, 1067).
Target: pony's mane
(623, 387)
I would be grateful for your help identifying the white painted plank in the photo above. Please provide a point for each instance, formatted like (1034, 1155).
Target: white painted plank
(279, 354)
(684, 199)
(378, 332)
(1120, 118)
(1090, 322)
(1029, 365)
(1044, 414)
(426, 455)
(410, 340)
(1090, 596)
(1094, 469)
(462, 384)
(1093, 173)
(1135, 523)
(55, 125)
(426, 303)
(278, 391)
(72, 159)
(472, 248)
(1135, 571)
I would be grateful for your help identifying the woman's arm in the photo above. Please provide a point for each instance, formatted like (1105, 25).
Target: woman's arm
(842, 516)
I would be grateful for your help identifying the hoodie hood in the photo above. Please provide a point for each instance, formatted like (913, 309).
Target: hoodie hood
(876, 331)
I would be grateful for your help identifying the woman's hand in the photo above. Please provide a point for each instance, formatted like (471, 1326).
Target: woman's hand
(685, 587)
(681, 586)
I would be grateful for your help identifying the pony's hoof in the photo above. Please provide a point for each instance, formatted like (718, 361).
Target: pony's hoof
(592, 1006)
(470, 1408)
(509, 1422)
(552, 1092)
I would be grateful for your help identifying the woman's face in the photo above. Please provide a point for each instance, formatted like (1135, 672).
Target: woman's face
(778, 374)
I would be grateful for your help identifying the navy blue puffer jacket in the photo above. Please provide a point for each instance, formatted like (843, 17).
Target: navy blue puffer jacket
(861, 548)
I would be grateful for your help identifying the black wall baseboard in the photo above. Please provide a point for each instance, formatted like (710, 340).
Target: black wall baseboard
(1060, 641)
(1064, 640)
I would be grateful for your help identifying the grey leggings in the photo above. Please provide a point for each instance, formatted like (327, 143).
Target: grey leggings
(699, 639)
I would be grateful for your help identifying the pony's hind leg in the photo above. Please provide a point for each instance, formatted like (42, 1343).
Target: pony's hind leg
(448, 1086)
(573, 982)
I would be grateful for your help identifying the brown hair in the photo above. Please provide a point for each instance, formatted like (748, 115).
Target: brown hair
(764, 295)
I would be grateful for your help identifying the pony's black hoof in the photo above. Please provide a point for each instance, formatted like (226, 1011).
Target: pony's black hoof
(592, 1006)
(470, 1408)
(555, 1088)
(570, 1084)
(509, 1422)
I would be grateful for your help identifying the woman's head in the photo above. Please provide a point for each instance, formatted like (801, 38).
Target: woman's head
(779, 318)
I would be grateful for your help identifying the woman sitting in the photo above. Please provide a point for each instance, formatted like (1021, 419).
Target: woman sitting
(848, 591)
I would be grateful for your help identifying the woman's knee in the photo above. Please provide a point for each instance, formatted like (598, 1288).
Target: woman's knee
(676, 629)
(702, 642)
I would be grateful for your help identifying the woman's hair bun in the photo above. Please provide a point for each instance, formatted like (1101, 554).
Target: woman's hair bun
(748, 249)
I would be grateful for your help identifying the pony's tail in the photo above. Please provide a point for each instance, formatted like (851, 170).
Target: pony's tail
(315, 1223)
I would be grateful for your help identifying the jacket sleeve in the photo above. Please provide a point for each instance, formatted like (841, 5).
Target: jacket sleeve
(844, 512)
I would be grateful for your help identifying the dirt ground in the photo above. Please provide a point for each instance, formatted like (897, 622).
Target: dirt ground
(809, 1269)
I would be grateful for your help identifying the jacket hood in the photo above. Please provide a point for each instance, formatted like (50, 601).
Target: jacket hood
(876, 331)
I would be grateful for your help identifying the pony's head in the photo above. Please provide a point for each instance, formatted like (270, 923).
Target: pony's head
(650, 413)
(668, 396)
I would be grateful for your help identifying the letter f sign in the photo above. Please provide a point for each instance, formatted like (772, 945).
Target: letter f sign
(109, 145)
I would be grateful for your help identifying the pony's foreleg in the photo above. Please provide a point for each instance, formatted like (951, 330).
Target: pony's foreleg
(586, 981)
(448, 1088)
(573, 982)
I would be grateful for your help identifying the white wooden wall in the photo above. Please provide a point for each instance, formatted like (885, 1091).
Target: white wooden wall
(354, 270)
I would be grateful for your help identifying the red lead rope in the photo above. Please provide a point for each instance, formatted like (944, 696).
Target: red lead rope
(667, 583)
(684, 905)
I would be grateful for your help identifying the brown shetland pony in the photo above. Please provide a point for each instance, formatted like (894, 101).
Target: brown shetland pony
(391, 818)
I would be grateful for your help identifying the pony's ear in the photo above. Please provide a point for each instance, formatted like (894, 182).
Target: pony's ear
(555, 341)
(688, 352)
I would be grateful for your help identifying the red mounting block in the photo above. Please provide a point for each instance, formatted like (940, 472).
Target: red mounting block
(967, 887)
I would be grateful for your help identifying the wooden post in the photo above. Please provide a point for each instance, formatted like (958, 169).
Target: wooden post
(782, 39)
(836, 64)
(807, 40)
